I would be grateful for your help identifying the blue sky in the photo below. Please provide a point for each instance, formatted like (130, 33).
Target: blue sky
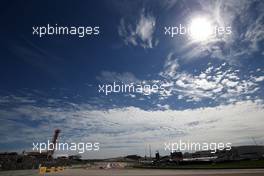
(214, 88)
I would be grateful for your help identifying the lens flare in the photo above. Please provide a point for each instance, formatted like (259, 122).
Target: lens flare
(200, 29)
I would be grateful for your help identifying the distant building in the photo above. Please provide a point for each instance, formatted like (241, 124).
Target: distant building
(176, 156)
(133, 157)
(248, 152)
(241, 153)
(157, 156)
(75, 157)
(202, 154)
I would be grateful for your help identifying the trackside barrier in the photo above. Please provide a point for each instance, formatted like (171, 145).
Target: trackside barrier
(43, 170)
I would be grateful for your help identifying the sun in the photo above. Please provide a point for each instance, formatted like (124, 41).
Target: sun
(200, 29)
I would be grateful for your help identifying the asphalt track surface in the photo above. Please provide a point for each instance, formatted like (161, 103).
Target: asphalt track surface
(140, 172)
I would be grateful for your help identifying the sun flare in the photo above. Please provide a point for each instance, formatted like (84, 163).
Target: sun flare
(200, 29)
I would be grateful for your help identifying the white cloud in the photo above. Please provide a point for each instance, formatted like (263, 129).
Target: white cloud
(229, 83)
(16, 99)
(140, 34)
(123, 131)
(259, 79)
(111, 77)
(170, 67)
(145, 29)
(219, 84)
(163, 107)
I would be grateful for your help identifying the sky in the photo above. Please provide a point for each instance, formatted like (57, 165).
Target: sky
(212, 88)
